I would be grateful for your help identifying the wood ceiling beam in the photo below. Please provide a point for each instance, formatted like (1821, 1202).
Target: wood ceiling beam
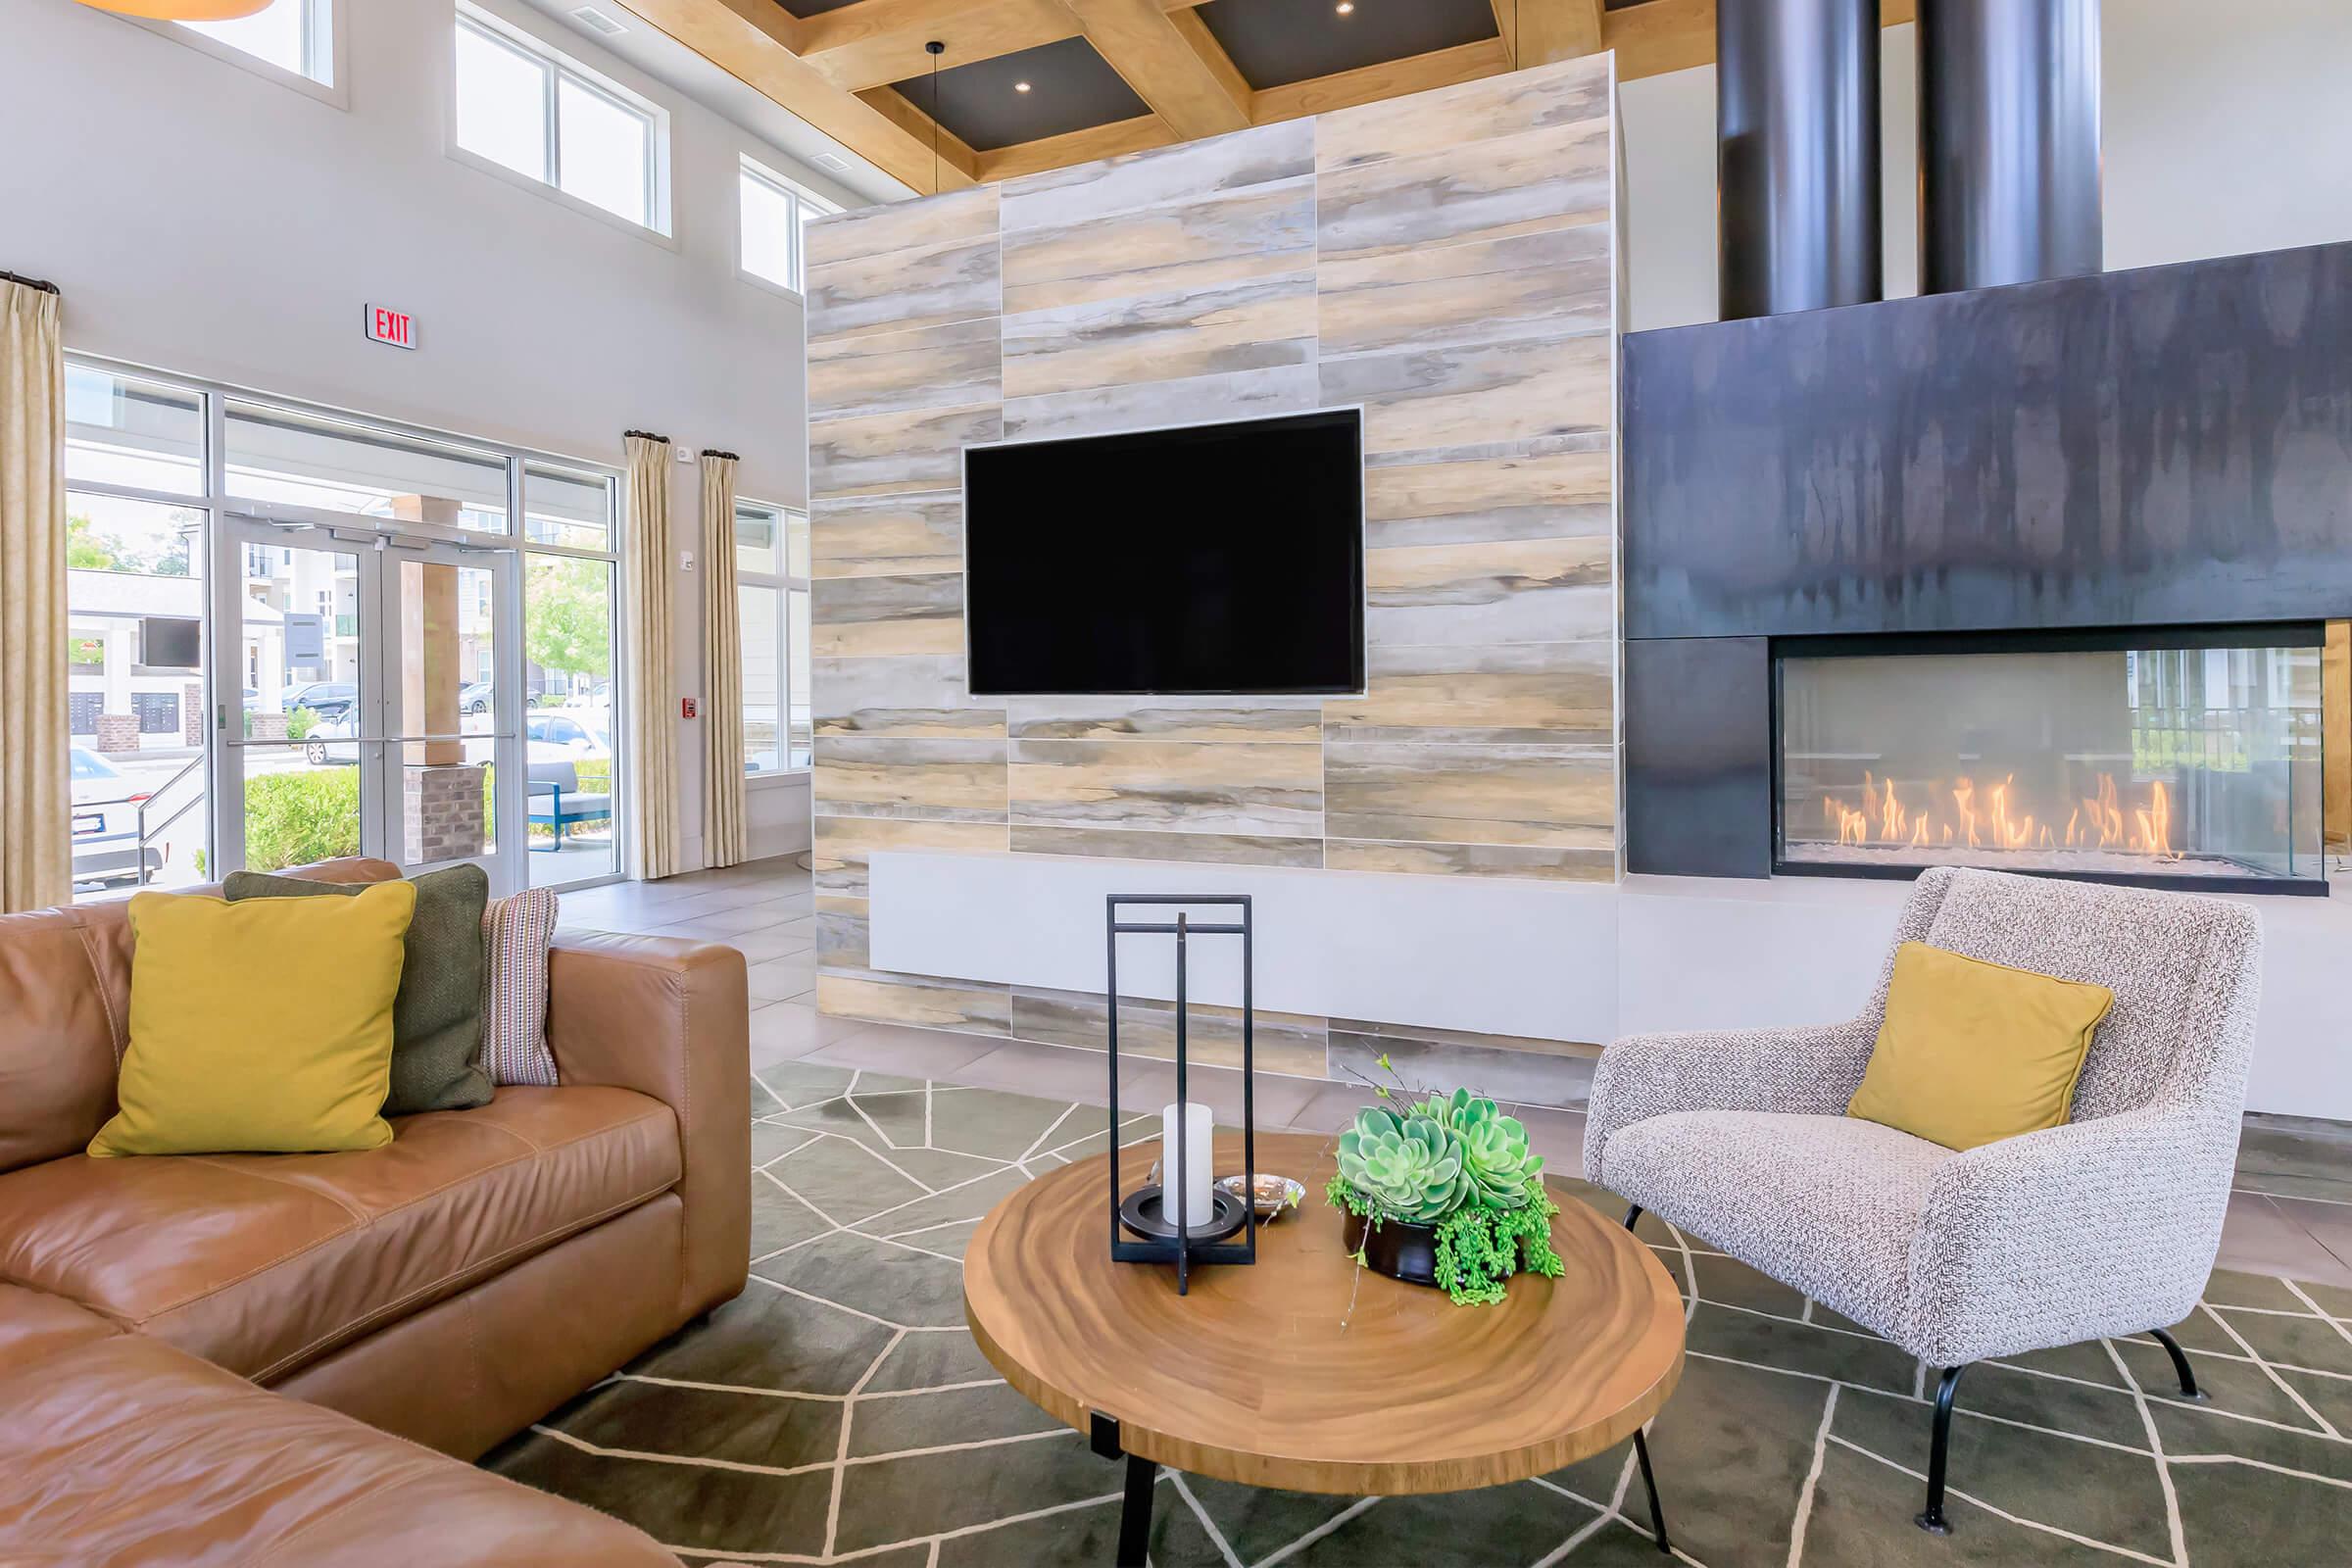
(1662, 35)
(1170, 67)
(876, 42)
(1390, 78)
(1539, 32)
(833, 68)
(953, 157)
(757, 41)
(1138, 135)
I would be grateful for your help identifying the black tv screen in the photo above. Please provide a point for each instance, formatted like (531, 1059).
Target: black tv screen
(1216, 558)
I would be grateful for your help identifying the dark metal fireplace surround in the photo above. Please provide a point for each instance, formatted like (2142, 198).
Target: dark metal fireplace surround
(2129, 494)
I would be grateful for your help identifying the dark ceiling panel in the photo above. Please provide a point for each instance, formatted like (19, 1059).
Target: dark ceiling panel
(1070, 87)
(810, 8)
(1279, 41)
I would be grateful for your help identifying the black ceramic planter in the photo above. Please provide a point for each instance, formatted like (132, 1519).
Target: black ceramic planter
(1402, 1252)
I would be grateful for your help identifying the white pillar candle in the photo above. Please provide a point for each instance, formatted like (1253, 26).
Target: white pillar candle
(1193, 1208)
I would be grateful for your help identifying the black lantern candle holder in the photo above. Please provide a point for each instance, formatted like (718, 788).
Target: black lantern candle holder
(1140, 1228)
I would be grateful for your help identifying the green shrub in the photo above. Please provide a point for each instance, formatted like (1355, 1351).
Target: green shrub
(298, 816)
(300, 721)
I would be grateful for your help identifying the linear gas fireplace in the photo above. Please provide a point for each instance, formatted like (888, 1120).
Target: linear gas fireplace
(2187, 758)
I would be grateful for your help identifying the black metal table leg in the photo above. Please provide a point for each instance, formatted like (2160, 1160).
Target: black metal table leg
(1135, 1514)
(1649, 1484)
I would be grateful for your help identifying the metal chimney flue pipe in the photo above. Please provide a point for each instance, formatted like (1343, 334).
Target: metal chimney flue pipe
(2009, 187)
(1797, 98)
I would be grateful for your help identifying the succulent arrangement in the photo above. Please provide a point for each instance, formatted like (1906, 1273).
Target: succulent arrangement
(1459, 1165)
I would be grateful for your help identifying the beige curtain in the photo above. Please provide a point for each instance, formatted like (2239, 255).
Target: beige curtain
(648, 658)
(724, 837)
(35, 819)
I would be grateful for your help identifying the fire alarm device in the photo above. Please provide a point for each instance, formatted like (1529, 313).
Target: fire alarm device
(686, 707)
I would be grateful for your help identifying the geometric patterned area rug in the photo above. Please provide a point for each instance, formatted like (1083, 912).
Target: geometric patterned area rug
(838, 1411)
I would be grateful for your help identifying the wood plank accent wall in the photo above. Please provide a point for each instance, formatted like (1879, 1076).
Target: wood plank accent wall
(1445, 260)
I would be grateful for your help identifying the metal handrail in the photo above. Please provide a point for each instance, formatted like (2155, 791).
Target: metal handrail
(147, 833)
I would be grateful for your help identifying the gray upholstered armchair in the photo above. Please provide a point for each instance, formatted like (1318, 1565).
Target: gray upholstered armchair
(2105, 1226)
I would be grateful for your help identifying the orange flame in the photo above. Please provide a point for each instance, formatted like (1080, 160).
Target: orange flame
(1994, 817)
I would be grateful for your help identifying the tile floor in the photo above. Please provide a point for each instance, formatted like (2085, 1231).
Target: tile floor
(2291, 1213)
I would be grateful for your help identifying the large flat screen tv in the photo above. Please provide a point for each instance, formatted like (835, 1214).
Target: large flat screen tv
(1210, 560)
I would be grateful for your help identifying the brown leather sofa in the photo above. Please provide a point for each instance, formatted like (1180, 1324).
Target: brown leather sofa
(447, 1289)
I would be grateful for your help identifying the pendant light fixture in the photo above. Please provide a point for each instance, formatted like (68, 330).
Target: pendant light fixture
(938, 175)
(182, 10)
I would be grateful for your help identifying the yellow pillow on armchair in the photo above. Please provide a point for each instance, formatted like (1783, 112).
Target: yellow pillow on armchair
(262, 1026)
(1971, 1052)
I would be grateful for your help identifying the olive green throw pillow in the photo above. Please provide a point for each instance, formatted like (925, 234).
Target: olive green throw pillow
(437, 1017)
(1971, 1052)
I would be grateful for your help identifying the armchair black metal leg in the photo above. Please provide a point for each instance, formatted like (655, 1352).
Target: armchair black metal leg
(1933, 1521)
(1649, 1484)
(1135, 1513)
(2188, 1379)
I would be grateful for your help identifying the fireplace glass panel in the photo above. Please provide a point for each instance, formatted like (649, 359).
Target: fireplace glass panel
(2171, 762)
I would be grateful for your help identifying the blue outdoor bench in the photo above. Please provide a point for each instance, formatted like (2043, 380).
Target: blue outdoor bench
(557, 801)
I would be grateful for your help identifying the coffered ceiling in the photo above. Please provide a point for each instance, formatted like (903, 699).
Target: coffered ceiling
(1025, 85)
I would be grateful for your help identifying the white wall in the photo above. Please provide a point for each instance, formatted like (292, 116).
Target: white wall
(1559, 960)
(204, 218)
(2224, 131)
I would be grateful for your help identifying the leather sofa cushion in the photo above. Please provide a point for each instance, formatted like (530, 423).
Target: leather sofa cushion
(34, 1326)
(126, 1451)
(261, 1262)
(65, 991)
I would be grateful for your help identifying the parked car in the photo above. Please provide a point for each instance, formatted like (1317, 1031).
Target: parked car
(478, 698)
(343, 726)
(572, 739)
(106, 824)
(328, 699)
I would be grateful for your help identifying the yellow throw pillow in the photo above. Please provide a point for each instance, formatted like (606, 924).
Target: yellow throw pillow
(262, 1026)
(1971, 1052)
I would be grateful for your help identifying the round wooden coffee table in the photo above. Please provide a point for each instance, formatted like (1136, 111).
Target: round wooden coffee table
(1265, 1374)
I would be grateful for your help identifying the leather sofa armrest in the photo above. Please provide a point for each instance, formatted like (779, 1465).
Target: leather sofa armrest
(670, 1018)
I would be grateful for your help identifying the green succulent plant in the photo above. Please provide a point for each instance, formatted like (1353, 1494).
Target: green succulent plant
(1456, 1162)
(1500, 1170)
(1409, 1167)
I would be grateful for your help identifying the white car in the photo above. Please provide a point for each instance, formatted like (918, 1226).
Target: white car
(106, 824)
(560, 737)
(552, 738)
(314, 748)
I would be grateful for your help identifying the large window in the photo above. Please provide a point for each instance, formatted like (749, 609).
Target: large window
(296, 458)
(776, 213)
(771, 566)
(137, 520)
(217, 546)
(569, 519)
(525, 108)
(294, 36)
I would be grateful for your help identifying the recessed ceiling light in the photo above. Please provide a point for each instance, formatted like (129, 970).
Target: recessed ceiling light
(1020, 86)
(1346, 8)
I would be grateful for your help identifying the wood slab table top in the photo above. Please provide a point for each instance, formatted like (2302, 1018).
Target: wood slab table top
(1264, 1375)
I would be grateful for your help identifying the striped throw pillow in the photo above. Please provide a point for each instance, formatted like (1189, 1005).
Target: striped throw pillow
(516, 932)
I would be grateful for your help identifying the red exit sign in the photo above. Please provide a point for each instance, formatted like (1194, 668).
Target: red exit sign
(388, 325)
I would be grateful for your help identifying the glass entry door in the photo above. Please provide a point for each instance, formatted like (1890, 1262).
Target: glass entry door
(370, 721)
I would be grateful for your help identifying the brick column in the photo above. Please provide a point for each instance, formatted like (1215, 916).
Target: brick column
(442, 816)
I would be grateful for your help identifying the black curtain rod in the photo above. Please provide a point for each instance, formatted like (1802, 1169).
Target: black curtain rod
(646, 434)
(713, 452)
(41, 283)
